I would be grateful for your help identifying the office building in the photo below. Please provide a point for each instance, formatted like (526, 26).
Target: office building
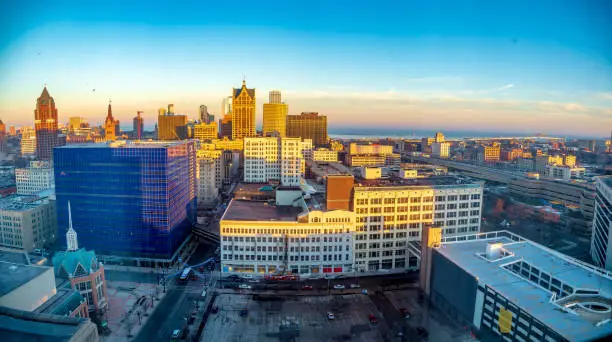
(138, 126)
(37, 177)
(82, 270)
(205, 131)
(308, 125)
(426, 144)
(372, 155)
(243, 112)
(208, 169)
(273, 158)
(489, 154)
(162, 111)
(171, 127)
(226, 106)
(136, 201)
(2, 136)
(390, 213)
(286, 237)
(506, 288)
(440, 149)
(324, 155)
(439, 138)
(601, 238)
(204, 118)
(28, 142)
(45, 124)
(275, 115)
(76, 122)
(110, 126)
(12, 131)
(223, 144)
(27, 222)
(565, 172)
(225, 127)
(170, 109)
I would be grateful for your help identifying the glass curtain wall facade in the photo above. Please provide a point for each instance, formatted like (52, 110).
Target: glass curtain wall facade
(134, 200)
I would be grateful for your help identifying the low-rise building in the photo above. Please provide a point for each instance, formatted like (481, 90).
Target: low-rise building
(37, 177)
(513, 289)
(273, 158)
(204, 131)
(27, 222)
(565, 172)
(440, 149)
(28, 142)
(24, 286)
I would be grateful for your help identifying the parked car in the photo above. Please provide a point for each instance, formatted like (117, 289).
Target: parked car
(355, 286)
(372, 319)
(404, 313)
(339, 287)
(245, 287)
(330, 316)
(247, 276)
(177, 334)
(307, 287)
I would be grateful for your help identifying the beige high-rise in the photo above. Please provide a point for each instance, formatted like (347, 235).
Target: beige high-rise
(275, 115)
(243, 112)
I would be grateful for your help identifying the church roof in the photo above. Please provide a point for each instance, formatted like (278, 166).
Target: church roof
(69, 261)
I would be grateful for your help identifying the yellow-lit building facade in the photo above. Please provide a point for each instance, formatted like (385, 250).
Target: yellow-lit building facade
(309, 125)
(171, 127)
(243, 112)
(204, 131)
(275, 116)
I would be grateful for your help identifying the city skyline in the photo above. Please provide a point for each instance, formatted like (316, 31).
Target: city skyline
(473, 68)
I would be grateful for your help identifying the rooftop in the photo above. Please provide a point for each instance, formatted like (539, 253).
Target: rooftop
(22, 202)
(65, 301)
(561, 312)
(14, 275)
(23, 326)
(434, 181)
(607, 180)
(126, 143)
(259, 211)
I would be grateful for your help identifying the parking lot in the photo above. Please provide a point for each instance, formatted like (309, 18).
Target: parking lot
(302, 318)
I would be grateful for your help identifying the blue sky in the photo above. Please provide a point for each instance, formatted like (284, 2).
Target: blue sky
(532, 66)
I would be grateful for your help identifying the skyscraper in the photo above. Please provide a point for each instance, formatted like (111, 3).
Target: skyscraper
(171, 109)
(2, 135)
(137, 199)
(138, 125)
(601, 239)
(243, 112)
(275, 115)
(110, 125)
(204, 116)
(308, 125)
(45, 124)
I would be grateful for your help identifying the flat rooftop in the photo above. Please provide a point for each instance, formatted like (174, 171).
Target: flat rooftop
(23, 326)
(434, 181)
(14, 275)
(259, 211)
(126, 143)
(607, 180)
(22, 202)
(531, 297)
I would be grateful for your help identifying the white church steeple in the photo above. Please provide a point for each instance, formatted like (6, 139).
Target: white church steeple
(71, 236)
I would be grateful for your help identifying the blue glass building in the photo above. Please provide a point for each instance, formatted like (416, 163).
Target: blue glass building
(133, 199)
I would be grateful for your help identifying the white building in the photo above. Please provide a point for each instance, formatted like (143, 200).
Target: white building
(392, 213)
(28, 142)
(37, 177)
(503, 287)
(208, 192)
(601, 238)
(565, 172)
(268, 239)
(27, 222)
(440, 149)
(273, 158)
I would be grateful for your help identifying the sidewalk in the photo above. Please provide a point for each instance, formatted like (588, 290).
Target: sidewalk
(123, 309)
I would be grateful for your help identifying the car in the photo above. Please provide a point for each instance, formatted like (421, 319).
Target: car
(372, 319)
(245, 287)
(330, 316)
(247, 276)
(215, 309)
(404, 313)
(384, 270)
(355, 286)
(307, 287)
(177, 334)
(339, 287)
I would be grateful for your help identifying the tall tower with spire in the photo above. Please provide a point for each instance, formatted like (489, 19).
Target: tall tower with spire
(110, 125)
(243, 112)
(71, 236)
(45, 124)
